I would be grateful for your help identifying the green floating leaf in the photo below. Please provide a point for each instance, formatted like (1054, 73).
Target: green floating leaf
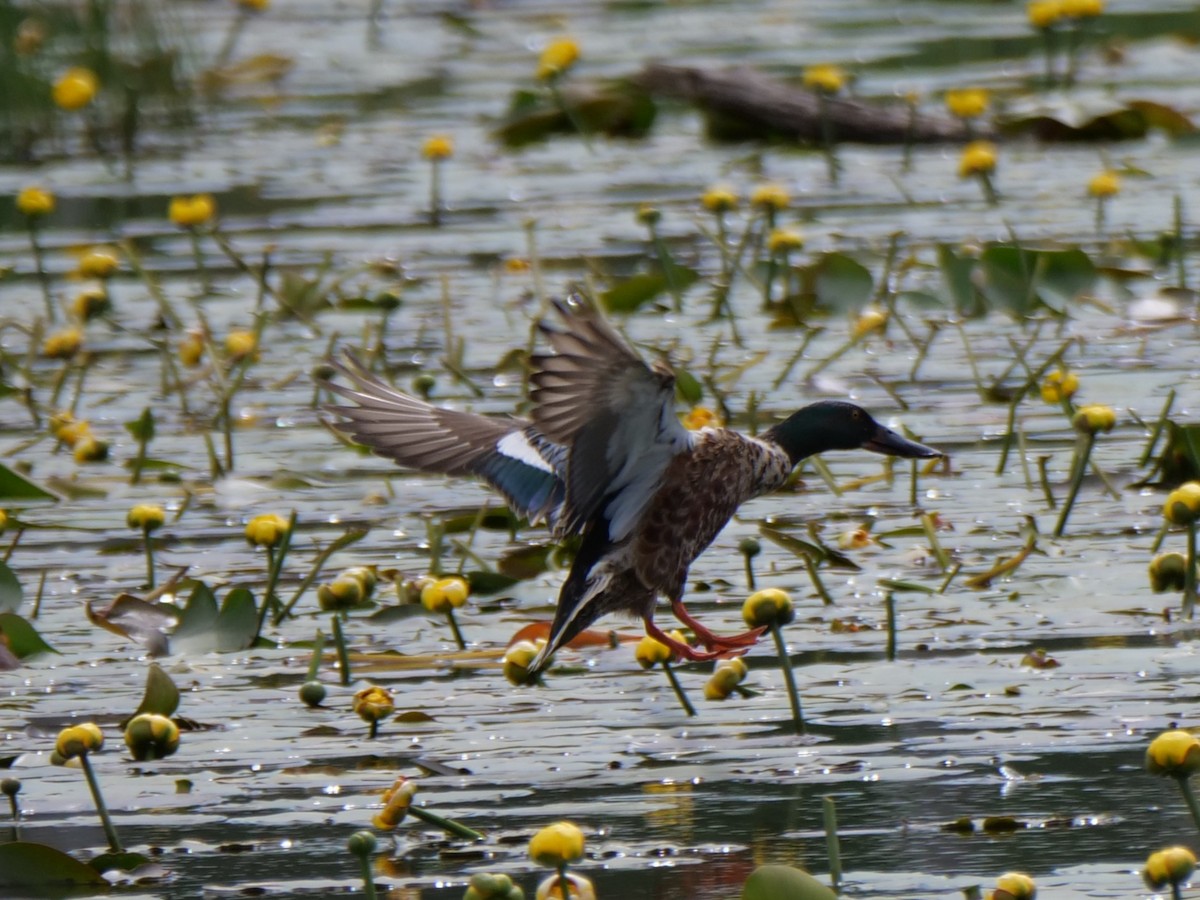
(525, 562)
(626, 296)
(1007, 281)
(10, 589)
(21, 637)
(17, 487)
(40, 871)
(957, 284)
(123, 861)
(485, 583)
(237, 623)
(1063, 276)
(840, 282)
(161, 695)
(141, 429)
(617, 109)
(784, 883)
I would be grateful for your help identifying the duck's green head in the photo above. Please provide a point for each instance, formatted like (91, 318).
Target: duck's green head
(837, 425)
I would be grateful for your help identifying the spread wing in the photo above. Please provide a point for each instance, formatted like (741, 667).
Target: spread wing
(510, 455)
(615, 415)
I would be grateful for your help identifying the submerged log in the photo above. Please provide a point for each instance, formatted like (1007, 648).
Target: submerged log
(742, 102)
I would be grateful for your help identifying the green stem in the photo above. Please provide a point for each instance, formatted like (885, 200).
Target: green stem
(747, 558)
(562, 882)
(435, 193)
(1189, 798)
(339, 641)
(889, 605)
(832, 845)
(678, 689)
(789, 677)
(43, 275)
(458, 638)
(110, 833)
(1189, 583)
(1079, 470)
(827, 138)
(198, 256)
(939, 552)
(816, 580)
(368, 880)
(569, 113)
(149, 545)
(314, 662)
(447, 825)
(1156, 432)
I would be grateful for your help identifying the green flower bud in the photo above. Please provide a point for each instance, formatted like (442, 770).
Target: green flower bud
(1168, 572)
(312, 693)
(361, 843)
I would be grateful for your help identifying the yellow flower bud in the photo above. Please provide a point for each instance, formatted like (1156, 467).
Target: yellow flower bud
(191, 349)
(266, 530)
(374, 703)
(445, 594)
(967, 103)
(1168, 572)
(78, 740)
(254, 5)
(517, 660)
(1106, 184)
(783, 240)
(396, 802)
(868, 322)
(556, 845)
(727, 676)
(700, 417)
(99, 262)
(1014, 886)
(719, 199)
(1183, 504)
(649, 651)
(151, 736)
(1082, 9)
(90, 449)
(578, 888)
(978, 158)
(1094, 419)
(75, 89)
(1059, 384)
(1175, 753)
(558, 56)
(828, 79)
(62, 344)
(438, 147)
(71, 432)
(90, 303)
(648, 214)
(188, 212)
(769, 606)
(1173, 866)
(35, 202)
(3, 520)
(146, 517)
(241, 344)
(1044, 13)
(770, 196)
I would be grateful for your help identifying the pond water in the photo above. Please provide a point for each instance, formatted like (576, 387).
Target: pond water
(323, 171)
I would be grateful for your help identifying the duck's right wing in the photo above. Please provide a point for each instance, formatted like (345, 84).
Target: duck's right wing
(512, 456)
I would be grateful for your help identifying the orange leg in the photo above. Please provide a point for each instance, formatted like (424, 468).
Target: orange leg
(686, 651)
(715, 641)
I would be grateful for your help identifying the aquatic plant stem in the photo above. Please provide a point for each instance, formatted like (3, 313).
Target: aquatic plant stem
(678, 689)
(789, 677)
(435, 192)
(562, 882)
(110, 833)
(1185, 788)
(458, 638)
(364, 861)
(1189, 582)
(149, 546)
(39, 263)
(1078, 471)
(889, 606)
(833, 847)
(447, 825)
(339, 641)
(811, 566)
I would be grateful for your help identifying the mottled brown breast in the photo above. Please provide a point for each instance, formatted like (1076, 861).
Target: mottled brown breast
(701, 490)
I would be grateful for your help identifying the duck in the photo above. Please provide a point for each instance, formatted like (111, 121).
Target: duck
(604, 455)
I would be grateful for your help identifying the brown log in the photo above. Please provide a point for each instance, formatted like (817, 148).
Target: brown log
(757, 104)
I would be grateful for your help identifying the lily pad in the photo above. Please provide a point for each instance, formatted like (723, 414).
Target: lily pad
(37, 870)
(775, 882)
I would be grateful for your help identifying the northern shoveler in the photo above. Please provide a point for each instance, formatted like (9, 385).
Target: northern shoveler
(605, 456)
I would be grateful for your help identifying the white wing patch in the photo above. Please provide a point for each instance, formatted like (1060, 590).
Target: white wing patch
(516, 446)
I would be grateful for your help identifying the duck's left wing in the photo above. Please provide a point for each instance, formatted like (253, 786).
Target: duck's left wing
(616, 415)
